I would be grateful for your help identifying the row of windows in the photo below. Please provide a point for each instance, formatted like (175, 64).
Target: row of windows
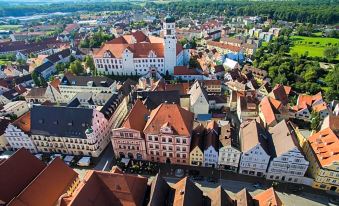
(107, 61)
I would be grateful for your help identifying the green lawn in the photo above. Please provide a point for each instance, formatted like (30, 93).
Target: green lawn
(4, 62)
(314, 45)
(10, 27)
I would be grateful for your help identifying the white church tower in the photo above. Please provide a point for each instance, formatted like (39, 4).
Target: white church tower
(170, 47)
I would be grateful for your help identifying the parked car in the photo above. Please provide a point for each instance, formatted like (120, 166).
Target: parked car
(84, 162)
(69, 159)
(56, 155)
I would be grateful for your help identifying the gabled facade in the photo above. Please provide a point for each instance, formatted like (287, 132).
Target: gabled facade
(50, 93)
(198, 99)
(321, 150)
(288, 163)
(211, 145)
(168, 134)
(129, 140)
(247, 108)
(254, 147)
(229, 154)
(197, 150)
(18, 134)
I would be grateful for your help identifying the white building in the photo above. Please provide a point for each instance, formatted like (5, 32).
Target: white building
(229, 154)
(71, 85)
(17, 134)
(77, 129)
(254, 146)
(288, 164)
(198, 99)
(139, 54)
(16, 108)
(211, 145)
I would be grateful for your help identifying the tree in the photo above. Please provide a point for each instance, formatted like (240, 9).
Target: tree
(76, 67)
(43, 82)
(331, 53)
(35, 78)
(315, 120)
(193, 63)
(60, 67)
(89, 62)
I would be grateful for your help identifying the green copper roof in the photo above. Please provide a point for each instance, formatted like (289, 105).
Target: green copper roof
(169, 19)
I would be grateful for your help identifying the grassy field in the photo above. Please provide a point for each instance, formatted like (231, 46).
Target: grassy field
(4, 62)
(10, 27)
(314, 45)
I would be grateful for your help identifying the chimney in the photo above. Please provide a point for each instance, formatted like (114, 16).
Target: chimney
(182, 192)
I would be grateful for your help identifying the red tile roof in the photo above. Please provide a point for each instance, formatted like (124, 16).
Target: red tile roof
(24, 122)
(267, 111)
(305, 100)
(223, 46)
(137, 117)
(55, 83)
(183, 70)
(137, 43)
(180, 120)
(48, 186)
(106, 188)
(17, 172)
(280, 93)
(187, 194)
(268, 198)
(325, 145)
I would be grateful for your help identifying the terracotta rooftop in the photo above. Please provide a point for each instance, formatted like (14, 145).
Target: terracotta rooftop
(183, 70)
(325, 145)
(106, 188)
(218, 197)
(268, 198)
(137, 117)
(24, 122)
(224, 46)
(187, 193)
(305, 100)
(198, 136)
(269, 108)
(17, 172)
(55, 83)
(161, 192)
(279, 93)
(243, 198)
(137, 43)
(212, 135)
(179, 119)
(57, 177)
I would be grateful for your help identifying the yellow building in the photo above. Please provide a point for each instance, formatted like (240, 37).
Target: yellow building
(322, 151)
(197, 152)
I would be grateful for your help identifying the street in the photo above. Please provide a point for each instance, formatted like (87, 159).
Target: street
(231, 182)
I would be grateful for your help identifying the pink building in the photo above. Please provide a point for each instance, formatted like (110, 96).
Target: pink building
(129, 140)
(168, 134)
